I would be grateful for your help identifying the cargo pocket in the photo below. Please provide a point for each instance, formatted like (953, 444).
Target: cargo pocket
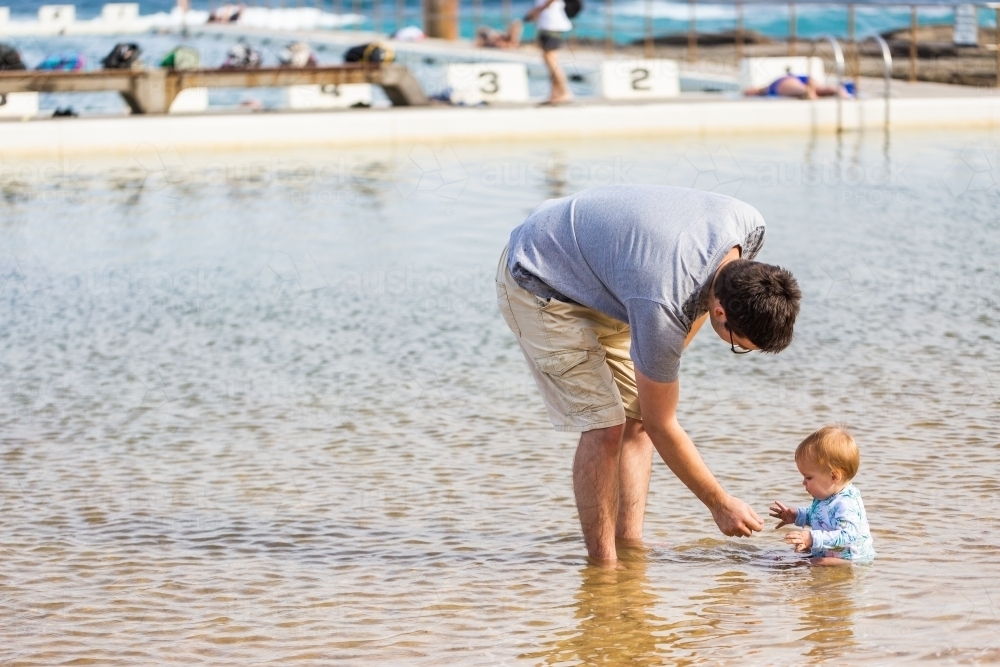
(575, 382)
(503, 303)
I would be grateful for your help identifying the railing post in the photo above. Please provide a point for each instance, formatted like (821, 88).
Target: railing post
(693, 31)
(855, 57)
(609, 27)
(996, 39)
(739, 31)
(913, 43)
(648, 51)
(792, 39)
(441, 19)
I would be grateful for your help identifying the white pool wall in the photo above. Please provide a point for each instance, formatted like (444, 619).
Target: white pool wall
(388, 127)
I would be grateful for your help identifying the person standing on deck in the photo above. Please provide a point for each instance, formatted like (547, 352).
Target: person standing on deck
(604, 289)
(552, 24)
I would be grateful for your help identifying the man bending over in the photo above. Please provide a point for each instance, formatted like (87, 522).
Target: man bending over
(604, 289)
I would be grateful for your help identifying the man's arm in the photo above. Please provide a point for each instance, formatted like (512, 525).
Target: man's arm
(659, 415)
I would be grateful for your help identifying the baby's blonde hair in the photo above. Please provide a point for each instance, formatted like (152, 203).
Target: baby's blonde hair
(832, 447)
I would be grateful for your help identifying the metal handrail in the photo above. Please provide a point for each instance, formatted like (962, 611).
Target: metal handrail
(838, 59)
(887, 62)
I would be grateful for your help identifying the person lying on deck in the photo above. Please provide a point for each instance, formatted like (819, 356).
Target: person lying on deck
(495, 39)
(800, 87)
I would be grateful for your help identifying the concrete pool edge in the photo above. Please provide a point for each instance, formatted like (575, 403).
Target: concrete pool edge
(388, 127)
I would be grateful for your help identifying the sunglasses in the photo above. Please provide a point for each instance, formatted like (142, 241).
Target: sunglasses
(733, 346)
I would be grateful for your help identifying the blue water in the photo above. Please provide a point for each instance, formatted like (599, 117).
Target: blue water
(629, 24)
(629, 15)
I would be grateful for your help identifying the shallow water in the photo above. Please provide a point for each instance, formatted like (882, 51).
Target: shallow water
(262, 409)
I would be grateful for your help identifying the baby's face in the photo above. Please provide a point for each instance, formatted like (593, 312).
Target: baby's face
(820, 482)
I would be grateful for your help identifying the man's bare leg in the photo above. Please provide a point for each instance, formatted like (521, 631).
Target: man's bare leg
(560, 87)
(595, 483)
(634, 466)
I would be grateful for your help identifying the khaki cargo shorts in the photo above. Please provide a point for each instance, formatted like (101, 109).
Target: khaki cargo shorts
(578, 357)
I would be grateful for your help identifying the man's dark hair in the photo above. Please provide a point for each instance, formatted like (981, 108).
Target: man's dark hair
(761, 302)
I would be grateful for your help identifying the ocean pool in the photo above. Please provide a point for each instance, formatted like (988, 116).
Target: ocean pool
(261, 408)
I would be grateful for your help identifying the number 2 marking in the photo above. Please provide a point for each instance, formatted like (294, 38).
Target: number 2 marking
(492, 84)
(639, 75)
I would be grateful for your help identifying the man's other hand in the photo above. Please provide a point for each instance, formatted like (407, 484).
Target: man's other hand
(735, 518)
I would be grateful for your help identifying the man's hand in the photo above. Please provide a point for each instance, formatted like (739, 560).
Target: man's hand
(735, 518)
(802, 539)
(785, 514)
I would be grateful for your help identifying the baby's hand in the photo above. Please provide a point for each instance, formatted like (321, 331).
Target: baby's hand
(786, 514)
(802, 539)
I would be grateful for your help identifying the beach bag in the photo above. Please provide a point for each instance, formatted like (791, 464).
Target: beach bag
(62, 62)
(369, 53)
(10, 58)
(572, 7)
(242, 56)
(123, 56)
(183, 57)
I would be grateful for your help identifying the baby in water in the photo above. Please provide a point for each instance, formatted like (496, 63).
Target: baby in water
(839, 534)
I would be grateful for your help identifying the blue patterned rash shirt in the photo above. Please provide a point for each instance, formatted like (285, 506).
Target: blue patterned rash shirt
(839, 526)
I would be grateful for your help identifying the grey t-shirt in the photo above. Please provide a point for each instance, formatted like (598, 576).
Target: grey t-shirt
(643, 254)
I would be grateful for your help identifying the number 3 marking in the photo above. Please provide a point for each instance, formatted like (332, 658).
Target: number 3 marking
(492, 85)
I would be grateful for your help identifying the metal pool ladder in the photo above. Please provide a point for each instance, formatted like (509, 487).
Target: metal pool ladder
(838, 59)
(887, 63)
